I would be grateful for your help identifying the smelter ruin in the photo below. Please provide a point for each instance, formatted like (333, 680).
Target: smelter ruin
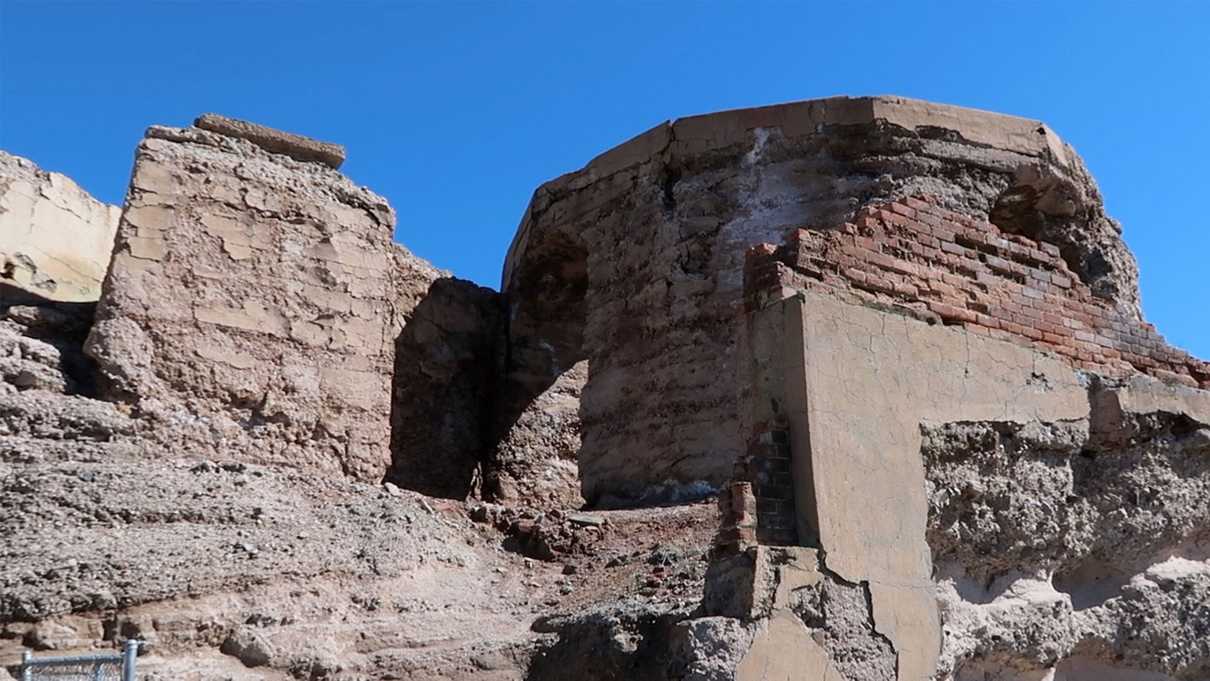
(850, 389)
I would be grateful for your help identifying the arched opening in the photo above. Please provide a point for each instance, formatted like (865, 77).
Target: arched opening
(543, 370)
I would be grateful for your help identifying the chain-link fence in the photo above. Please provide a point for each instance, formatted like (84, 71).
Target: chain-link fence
(99, 667)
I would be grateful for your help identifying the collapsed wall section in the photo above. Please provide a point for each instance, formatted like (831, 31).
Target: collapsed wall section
(1008, 513)
(254, 299)
(642, 252)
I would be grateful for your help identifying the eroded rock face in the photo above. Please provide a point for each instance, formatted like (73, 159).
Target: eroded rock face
(255, 298)
(635, 261)
(535, 461)
(1055, 544)
(56, 237)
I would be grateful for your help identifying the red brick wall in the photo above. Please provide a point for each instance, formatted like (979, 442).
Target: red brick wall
(917, 256)
(758, 507)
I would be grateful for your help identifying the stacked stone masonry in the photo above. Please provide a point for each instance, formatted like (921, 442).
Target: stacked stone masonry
(915, 254)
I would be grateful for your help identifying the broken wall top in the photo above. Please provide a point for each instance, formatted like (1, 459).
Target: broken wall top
(260, 293)
(919, 257)
(55, 239)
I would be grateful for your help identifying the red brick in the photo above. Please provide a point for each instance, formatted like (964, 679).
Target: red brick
(988, 321)
(955, 249)
(998, 264)
(894, 264)
(944, 233)
(893, 218)
(952, 313)
(903, 209)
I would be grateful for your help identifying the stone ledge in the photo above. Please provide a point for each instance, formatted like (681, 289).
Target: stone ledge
(297, 147)
(716, 130)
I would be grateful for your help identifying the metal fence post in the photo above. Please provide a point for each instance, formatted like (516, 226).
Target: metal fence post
(129, 653)
(27, 670)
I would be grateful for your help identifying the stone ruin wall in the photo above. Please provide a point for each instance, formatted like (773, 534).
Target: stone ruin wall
(1005, 513)
(56, 238)
(255, 298)
(635, 263)
(949, 418)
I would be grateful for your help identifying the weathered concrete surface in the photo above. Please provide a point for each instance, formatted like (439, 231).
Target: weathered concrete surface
(55, 239)
(801, 621)
(296, 147)
(1078, 547)
(535, 460)
(867, 390)
(41, 348)
(634, 262)
(858, 384)
(255, 298)
(785, 651)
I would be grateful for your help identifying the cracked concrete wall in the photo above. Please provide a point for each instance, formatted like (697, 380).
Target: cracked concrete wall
(785, 616)
(643, 250)
(255, 299)
(857, 384)
(55, 239)
(864, 390)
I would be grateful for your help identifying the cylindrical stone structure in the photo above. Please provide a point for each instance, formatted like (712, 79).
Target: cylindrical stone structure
(635, 262)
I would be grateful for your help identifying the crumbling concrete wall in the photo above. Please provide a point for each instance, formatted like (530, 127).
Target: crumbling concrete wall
(1007, 512)
(455, 431)
(55, 239)
(642, 252)
(254, 298)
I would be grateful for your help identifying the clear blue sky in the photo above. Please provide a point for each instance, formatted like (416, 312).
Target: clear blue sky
(456, 111)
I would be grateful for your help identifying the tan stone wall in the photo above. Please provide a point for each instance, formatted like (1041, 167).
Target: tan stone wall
(636, 261)
(256, 299)
(55, 239)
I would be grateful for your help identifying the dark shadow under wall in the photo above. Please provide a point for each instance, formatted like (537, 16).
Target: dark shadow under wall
(443, 389)
(62, 325)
